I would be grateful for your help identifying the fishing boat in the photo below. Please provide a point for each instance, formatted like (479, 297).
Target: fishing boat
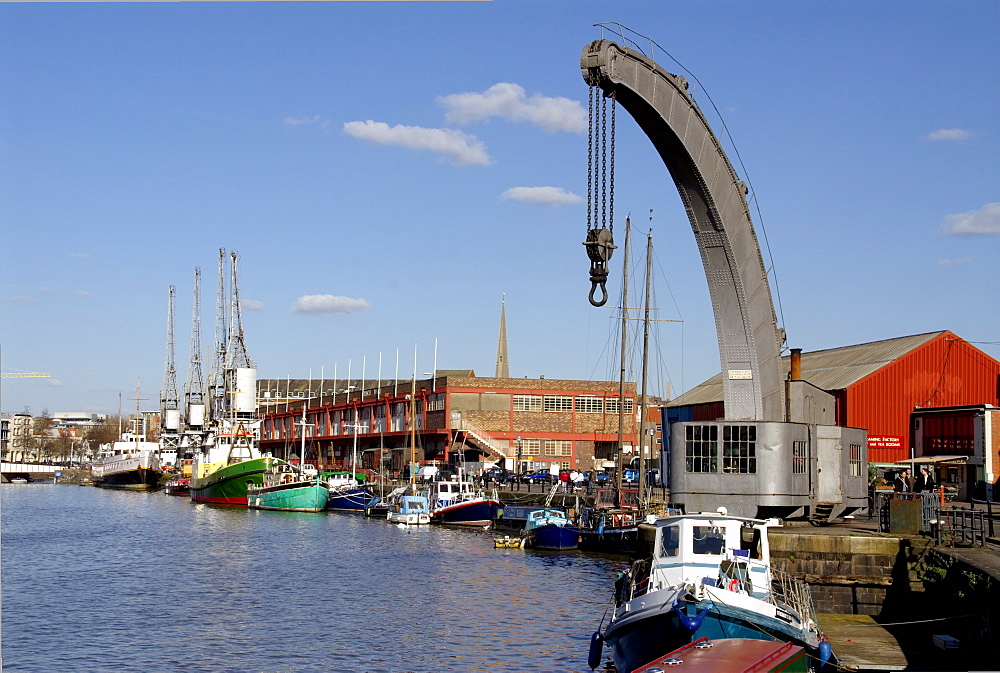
(409, 509)
(705, 575)
(459, 502)
(348, 491)
(226, 466)
(549, 529)
(287, 488)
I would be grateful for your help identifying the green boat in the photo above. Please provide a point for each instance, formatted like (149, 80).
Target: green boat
(285, 487)
(227, 484)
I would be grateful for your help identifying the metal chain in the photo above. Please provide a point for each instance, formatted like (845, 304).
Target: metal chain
(590, 156)
(604, 167)
(611, 202)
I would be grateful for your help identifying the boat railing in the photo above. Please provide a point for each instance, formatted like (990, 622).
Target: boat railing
(789, 592)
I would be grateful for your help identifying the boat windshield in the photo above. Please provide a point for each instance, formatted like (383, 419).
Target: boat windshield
(671, 540)
(708, 540)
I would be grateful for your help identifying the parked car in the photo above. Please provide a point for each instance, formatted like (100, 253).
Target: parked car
(538, 477)
(495, 474)
(630, 476)
(598, 477)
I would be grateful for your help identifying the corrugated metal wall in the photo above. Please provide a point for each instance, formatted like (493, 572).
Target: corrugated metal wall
(945, 372)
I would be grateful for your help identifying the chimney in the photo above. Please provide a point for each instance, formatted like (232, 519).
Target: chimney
(796, 364)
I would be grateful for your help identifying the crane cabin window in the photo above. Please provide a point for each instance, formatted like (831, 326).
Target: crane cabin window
(739, 449)
(701, 448)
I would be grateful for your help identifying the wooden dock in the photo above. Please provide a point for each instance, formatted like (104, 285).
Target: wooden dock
(862, 644)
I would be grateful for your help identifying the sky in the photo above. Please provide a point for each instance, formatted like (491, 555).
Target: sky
(390, 172)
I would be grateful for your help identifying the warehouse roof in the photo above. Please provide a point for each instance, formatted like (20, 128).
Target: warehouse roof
(831, 369)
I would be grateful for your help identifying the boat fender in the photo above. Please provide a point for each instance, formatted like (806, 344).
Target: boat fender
(691, 622)
(825, 652)
(734, 585)
(596, 650)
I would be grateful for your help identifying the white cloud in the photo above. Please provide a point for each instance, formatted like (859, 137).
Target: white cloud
(305, 121)
(82, 293)
(54, 383)
(509, 101)
(986, 220)
(949, 134)
(545, 196)
(459, 148)
(328, 304)
(958, 261)
(251, 305)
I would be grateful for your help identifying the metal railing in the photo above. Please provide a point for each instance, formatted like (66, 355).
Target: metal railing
(960, 527)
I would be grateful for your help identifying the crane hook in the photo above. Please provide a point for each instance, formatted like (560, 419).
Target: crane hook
(600, 246)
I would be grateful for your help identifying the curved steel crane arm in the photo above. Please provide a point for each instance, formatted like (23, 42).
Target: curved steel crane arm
(715, 199)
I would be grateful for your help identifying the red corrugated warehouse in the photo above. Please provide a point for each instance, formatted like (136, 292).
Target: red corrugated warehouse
(878, 384)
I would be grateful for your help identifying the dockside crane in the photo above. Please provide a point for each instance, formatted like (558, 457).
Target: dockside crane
(194, 385)
(169, 399)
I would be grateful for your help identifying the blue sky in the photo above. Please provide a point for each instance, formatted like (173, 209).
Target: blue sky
(388, 172)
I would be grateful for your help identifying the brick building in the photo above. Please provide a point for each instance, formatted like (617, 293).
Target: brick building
(455, 417)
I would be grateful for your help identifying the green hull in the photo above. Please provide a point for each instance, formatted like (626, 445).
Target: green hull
(295, 497)
(228, 485)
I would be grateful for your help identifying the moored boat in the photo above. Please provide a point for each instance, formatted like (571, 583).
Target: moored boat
(704, 575)
(610, 525)
(133, 466)
(178, 486)
(549, 529)
(222, 471)
(409, 509)
(733, 655)
(348, 491)
(458, 502)
(285, 487)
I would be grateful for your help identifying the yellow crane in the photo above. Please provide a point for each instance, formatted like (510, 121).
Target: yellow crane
(24, 375)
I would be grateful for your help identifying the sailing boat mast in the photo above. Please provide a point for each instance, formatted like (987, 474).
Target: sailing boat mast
(621, 377)
(641, 434)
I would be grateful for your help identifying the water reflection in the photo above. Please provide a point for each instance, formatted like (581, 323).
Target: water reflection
(98, 580)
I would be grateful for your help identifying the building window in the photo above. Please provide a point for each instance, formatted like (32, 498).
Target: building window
(611, 405)
(798, 457)
(435, 402)
(527, 402)
(558, 447)
(558, 403)
(701, 448)
(855, 460)
(589, 404)
(531, 447)
(739, 449)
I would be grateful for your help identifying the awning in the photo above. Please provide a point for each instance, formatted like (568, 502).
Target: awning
(935, 459)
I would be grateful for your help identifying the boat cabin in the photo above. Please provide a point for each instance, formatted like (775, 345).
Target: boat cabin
(714, 549)
(545, 517)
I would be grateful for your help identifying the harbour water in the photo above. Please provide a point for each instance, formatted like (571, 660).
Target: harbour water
(98, 580)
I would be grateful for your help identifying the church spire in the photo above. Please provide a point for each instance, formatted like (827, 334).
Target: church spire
(503, 372)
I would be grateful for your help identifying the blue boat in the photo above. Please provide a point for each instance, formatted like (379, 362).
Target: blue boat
(409, 509)
(459, 503)
(705, 575)
(348, 491)
(549, 529)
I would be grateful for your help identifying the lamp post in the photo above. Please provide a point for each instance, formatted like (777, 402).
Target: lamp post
(517, 463)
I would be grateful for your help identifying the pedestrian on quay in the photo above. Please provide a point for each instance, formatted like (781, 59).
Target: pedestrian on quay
(925, 482)
(901, 484)
(564, 478)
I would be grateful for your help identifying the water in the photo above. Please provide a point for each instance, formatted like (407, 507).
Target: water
(98, 580)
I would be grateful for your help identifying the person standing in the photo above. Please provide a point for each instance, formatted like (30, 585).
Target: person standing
(902, 482)
(925, 482)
